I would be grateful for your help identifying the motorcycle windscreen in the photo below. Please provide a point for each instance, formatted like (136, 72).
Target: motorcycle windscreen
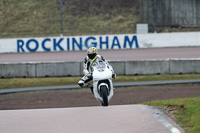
(101, 66)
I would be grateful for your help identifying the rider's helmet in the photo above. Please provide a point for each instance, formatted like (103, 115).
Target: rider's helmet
(92, 53)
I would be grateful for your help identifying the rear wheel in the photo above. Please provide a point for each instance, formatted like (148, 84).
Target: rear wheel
(104, 94)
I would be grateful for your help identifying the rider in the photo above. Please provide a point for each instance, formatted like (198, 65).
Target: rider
(90, 60)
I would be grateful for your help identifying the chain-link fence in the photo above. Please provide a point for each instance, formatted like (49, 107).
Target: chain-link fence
(39, 18)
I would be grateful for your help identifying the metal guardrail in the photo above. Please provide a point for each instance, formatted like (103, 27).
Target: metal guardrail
(122, 84)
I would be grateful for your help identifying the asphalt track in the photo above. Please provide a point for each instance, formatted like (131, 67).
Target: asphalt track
(112, 119)
(116, 55)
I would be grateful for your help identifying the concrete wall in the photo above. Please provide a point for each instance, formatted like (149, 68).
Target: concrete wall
(63, 69)
(147, 67)
(17, 70)
(184, 66)
(59, 69)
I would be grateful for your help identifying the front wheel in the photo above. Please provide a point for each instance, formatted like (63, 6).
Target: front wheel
(104, 94)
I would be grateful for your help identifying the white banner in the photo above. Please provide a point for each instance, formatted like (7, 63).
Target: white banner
(122, 41)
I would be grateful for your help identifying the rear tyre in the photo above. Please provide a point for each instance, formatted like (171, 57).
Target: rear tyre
(104, 94)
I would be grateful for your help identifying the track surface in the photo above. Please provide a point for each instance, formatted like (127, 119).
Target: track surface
(129, 54)
(84, 98)
(80, 112)
(84, 119)
(113, 119)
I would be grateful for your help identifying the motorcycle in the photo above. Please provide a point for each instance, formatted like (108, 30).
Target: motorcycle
(102, 83)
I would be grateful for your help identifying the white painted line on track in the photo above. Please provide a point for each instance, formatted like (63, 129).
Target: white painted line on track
(162, 120)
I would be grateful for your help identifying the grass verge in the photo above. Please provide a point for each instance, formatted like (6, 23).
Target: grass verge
(34, 82)
(39, 18)
(186, 110)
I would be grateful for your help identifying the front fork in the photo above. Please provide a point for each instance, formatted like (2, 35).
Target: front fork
(97, 93)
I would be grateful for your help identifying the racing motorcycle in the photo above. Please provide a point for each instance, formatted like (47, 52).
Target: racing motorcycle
(102, 83)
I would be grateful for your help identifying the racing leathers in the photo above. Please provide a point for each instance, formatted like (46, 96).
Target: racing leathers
(87, 70)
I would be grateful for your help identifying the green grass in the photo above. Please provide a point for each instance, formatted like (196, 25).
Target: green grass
(187, 111)
(42, 18)
(33, 82)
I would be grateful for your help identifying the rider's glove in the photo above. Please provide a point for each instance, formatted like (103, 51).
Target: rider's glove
(114, 76)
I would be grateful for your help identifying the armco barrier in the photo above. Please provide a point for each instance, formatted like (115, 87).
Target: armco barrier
(63, 69)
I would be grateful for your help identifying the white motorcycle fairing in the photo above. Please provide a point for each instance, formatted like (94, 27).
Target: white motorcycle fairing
(102, 76)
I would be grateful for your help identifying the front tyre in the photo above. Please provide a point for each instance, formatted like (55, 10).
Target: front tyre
(104, 94)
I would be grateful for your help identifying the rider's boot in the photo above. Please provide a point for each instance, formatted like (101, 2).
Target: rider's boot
(91, 87)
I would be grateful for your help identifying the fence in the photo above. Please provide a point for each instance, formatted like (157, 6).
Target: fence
(170, 12)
